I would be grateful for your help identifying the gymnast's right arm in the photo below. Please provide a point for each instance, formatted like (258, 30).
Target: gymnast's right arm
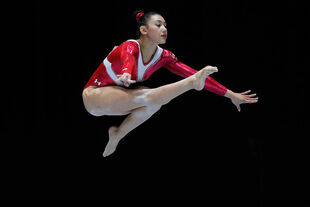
(128, 63)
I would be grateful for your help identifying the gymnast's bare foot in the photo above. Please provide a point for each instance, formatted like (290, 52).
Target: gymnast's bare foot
(112, 143)
(201, 76)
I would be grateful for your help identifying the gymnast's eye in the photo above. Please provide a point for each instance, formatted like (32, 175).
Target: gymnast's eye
(159, 25)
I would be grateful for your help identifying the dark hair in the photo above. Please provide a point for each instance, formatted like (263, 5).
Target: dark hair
(143, 19)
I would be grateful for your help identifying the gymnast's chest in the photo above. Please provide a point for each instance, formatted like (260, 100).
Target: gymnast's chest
(144, 70)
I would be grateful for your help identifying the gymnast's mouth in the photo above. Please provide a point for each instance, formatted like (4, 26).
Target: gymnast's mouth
(164, 35)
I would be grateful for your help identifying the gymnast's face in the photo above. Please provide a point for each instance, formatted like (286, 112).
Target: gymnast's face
(155, 29)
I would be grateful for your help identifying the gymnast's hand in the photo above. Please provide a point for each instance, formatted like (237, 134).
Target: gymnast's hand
(241, 98)
(125, 79)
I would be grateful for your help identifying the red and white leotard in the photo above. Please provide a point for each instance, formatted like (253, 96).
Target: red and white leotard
(127, 58)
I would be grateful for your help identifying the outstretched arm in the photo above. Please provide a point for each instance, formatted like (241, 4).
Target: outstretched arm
(213, 86)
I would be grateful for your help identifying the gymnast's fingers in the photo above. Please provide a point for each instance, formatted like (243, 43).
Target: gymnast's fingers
(251, 95)
(245, 92)
(252, 100)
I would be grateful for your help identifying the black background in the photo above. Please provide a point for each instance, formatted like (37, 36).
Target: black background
(198, 149)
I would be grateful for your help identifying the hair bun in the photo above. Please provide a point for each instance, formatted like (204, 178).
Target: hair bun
(137, 14)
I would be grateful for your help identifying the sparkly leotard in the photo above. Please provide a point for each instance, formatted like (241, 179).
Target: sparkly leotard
(127, 58)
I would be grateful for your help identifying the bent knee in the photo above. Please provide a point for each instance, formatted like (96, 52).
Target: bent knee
(152, 109)
(146, 111)
(152, 105)
(150, 100)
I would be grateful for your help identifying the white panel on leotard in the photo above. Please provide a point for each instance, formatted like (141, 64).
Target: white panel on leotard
(141, 67)
(111, 73)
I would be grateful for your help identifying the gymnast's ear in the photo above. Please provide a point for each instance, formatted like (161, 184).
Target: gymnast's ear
(143, 30)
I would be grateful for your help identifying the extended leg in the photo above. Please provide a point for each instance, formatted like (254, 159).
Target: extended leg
(153, 99)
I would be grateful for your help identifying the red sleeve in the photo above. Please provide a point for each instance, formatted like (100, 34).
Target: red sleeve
(128, 52)
(179, 68)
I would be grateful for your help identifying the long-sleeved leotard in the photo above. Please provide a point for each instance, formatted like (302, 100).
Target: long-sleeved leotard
(127, 58)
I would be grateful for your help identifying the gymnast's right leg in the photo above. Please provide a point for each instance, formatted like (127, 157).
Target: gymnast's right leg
(141, 104)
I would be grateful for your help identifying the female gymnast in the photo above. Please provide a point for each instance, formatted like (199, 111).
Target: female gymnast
(107, 92)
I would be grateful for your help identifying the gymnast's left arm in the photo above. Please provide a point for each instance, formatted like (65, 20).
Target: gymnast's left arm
(212, 85)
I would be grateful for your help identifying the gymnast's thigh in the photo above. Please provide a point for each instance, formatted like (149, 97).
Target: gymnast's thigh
(112, 100)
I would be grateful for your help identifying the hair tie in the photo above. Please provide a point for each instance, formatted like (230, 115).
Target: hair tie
(139, 15)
